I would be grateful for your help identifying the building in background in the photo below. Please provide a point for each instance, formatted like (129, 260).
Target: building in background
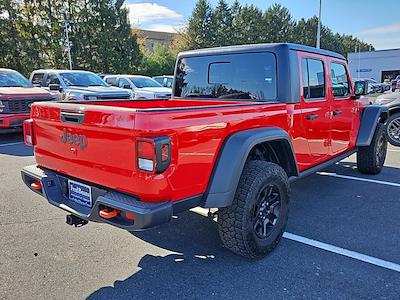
(150, 38)
(379, 65)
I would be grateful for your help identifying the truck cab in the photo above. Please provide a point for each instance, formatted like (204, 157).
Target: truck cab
(16, 96)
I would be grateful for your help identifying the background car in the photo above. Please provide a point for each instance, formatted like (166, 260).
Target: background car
(73, 85)
(144, 87)
(374, 85)
(165, 80)
(396, 83)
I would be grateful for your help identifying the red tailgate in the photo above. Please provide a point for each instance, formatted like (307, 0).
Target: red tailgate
(92, 143)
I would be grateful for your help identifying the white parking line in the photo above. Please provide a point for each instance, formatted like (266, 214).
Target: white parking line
(337, 250)
(352, 254)
(358, 179)
(11, 144)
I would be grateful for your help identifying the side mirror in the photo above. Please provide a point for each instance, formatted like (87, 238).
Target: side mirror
(54, 87)
(126, 86)
(360, 88)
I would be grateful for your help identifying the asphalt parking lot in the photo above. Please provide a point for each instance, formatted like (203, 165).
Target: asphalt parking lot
(355, 221)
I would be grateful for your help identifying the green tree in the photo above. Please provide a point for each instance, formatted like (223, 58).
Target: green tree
(223, 24)
(200, 30)
(159, 61)
(102, 39)
(278, 25)
(248, 24)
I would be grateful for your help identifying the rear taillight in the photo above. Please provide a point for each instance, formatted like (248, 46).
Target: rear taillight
(29, 137)
(153, 154)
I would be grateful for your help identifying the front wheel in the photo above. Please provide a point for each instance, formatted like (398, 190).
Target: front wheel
(370, 159)
(393, 130)
(253, 225)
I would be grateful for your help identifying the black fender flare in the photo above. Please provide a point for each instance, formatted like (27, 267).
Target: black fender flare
(232, 158)
(371, 116)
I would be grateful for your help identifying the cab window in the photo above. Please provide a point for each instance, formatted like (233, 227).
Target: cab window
(340, 80)
(247, 76)
(123, 82)
(111, 80)
(52, 79)
(37, 79)
(313, 79)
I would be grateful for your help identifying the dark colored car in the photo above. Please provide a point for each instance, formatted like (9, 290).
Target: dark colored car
(375, 86)
(396, 83)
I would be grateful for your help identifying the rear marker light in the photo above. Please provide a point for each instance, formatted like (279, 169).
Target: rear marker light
(28, 132)
(165, 152)
(153, 154)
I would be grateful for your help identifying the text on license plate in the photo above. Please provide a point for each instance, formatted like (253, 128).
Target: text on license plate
(80, 193)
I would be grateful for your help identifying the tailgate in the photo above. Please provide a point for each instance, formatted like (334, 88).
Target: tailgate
(92, 143)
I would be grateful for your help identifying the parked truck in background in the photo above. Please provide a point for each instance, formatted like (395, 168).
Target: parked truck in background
(243, 123)
(75, 85)
(16, 96)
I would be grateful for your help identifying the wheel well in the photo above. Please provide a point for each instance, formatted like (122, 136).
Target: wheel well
(277, 151)
(394, 110)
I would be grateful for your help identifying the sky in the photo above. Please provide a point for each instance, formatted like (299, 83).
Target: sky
(376, 22)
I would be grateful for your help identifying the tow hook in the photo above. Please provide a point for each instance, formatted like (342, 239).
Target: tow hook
(75, 221)
(108, 213)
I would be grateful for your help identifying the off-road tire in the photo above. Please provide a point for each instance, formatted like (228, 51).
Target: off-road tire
(370, 159)
(236, 222)
(393, 141)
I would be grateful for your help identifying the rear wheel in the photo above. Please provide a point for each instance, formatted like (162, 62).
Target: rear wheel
(253, 225)
(393, 129)
(370, 159)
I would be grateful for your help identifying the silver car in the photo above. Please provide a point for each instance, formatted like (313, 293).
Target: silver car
(144, 87)
(73, 85)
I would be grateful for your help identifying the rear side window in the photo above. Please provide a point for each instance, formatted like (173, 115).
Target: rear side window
(313, 78)
(37, 79)
(340, 80)
(52, 79)
(112, 81)
(249, 76)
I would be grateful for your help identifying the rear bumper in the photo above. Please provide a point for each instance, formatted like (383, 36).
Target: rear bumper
(146, 214)
(12, 122)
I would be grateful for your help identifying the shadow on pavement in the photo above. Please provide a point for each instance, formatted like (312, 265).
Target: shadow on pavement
(16, 150)
(200, 267)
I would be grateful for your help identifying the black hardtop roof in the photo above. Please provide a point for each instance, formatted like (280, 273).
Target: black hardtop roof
(278, 47)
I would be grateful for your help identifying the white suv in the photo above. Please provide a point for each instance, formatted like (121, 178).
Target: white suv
(144, 87)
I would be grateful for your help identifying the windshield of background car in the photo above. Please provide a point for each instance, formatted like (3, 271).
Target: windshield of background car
(143, 82)
(232, 76)
(82, 79)
(13, 79)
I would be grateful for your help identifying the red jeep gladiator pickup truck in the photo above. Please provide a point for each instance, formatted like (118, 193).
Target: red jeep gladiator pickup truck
(16, 96)
(243, 123)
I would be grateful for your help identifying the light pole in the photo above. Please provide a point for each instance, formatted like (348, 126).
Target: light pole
(319, 26)
(66, 26)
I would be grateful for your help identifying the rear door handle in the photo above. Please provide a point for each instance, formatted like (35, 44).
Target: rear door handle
(312, 117)
(337, 112)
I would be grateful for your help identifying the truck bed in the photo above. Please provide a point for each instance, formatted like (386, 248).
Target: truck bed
(197, 129)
